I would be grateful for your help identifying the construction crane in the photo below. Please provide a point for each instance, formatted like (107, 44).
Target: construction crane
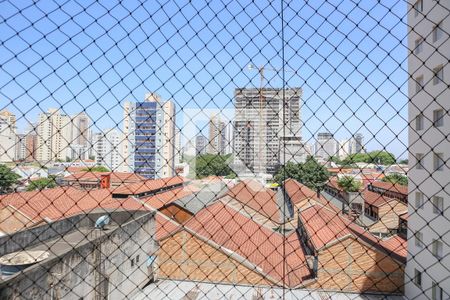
(261, 70)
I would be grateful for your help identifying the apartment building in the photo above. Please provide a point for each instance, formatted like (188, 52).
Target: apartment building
(7, 136)
(149, 147)
(427, 274)
(107, 148)
(200, 144)
(326, 146)
(263, 117)
(217, 136)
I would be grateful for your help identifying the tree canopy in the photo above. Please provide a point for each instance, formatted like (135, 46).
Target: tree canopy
(42, 184)
(349, 184)
(396, 178)
(96, 169)
(7, 179)
(374, 157)
(310, 173)
(213, 165)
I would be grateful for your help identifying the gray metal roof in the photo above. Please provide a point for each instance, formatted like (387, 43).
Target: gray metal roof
(199, 200)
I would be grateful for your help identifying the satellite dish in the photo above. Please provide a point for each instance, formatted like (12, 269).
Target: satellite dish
(102, 222)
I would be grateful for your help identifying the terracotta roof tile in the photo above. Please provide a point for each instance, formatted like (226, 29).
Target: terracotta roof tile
(254, 195)
(325, 226)
(116, 177)
(393, 187)
(298, 192)
(376, 199)
(149, 185)
(165, 226)
(259, 245)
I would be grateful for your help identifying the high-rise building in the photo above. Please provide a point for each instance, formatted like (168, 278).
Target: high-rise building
(8, 136)
(107, 148)
(54, 135)
(229, 142)
(30, 144)
(262, 120)
(427, 273)
(217, 136)
(359, 143)
(200, 144)
(149, 127)
(80, 129)
(326, 146)
(20, 147)
(178, 150)
(353, 145)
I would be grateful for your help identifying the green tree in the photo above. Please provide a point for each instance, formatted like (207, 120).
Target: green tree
(374, 157)
(42, 184)
(211, 164)
(403, 161)
(7, 179)
(349, 184)
(310, 173)
(396, 178)
(96, 169)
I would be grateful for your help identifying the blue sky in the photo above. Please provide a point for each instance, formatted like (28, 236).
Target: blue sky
(349, 57)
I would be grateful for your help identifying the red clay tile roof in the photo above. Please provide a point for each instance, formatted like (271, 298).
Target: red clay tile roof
(254, 195)
(159, 200)
(149, 185)
(298, 192)
(56, 203)
(261, 246)
(393, 187)
(63, 202)
(396, 244)
(116, 177)
(404, 216)
(376, 199)
(165, 226)
(324, 226)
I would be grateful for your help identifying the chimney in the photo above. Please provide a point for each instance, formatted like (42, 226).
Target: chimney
(105, 181)
(318, 192)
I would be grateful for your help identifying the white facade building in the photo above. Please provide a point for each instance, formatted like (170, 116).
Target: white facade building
(8, 136)
(427, 270)
(107, 148)
(54, 134)
(326, 146)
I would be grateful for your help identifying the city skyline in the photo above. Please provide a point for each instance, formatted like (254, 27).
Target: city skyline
(366, 89)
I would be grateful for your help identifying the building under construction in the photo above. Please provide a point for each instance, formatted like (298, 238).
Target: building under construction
(261, 123)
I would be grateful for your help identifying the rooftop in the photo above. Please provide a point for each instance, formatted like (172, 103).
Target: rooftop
(393, 187)
(256, 243)
(324, 227)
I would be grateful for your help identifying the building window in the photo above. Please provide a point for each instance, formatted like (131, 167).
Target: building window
(137, 258)
(437, 248)
(418, 278)
(418, 7)
(419, 200)
(418, 239)
(438, 205)
(438, 161)
(438, 75)
(438, 33)
(419, 122)
(419, 161)
(418, 46)
(438, 118)
(419, 83)
(437, 293)
(132, 262)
